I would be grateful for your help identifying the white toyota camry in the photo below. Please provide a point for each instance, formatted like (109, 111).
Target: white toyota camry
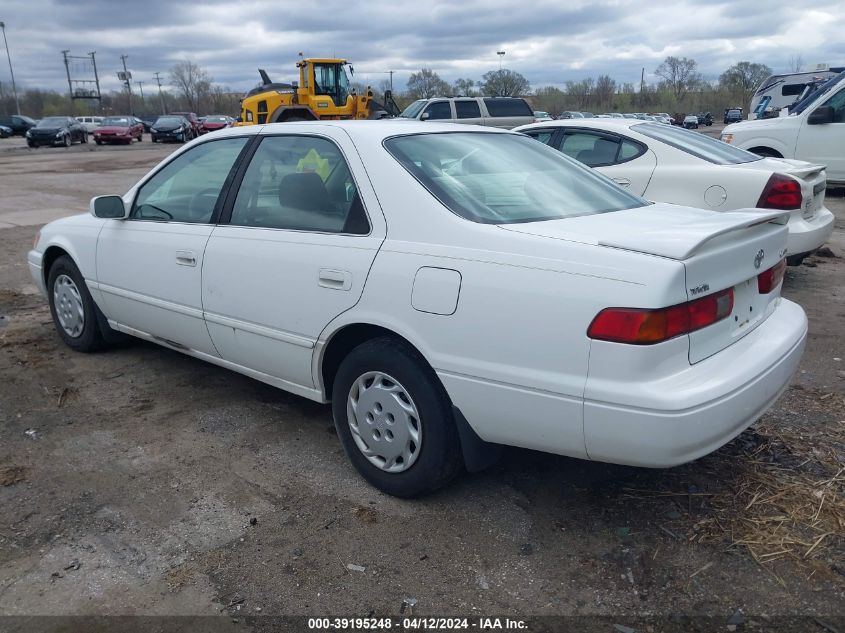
(670, 164)
(448, 289)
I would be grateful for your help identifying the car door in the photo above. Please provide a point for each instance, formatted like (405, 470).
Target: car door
(468, 111)
(149, 266)
(823, 143)
(302, 233)
(437, 111)
(628, 163)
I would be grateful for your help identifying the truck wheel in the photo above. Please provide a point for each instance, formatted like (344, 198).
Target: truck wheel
(394, 419)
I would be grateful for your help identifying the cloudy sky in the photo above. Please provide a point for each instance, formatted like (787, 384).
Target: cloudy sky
(548, 42)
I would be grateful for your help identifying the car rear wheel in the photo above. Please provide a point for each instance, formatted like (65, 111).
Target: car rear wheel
(84, 137)
(394, 419)
(72, 308)
(66, 141)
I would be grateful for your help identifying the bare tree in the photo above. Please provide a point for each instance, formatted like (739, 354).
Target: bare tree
(426, 84)
(580, 92)
(679, 75)
(465, 87)
(191, 81)
(796, 63)
(743, 78)
(604, 91)
(504, 83)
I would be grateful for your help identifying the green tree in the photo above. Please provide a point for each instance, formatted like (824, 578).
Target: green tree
(743, 78)
(679, 75)
(427, 84)
(504, 83)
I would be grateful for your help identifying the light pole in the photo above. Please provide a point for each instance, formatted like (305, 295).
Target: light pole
(11, 72)
(500, 54)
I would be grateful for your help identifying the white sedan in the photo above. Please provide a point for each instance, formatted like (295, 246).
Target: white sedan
(670, 164)
(448, 289)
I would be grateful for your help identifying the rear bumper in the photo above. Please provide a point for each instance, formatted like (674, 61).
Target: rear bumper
(693, 412)
(805, 236)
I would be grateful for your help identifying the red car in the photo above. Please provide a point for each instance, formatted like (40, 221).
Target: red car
(119, 129)
(196, 126)
(216, 122)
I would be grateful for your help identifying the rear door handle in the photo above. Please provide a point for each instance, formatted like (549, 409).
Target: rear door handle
(334, 279)
(622, 182)
(186, 258)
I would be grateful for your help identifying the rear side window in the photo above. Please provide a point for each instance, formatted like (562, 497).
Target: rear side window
(439, 110)
(506, 106)
(300, 183)
(591, 149)
(467, 109)
(629, 151)
(790, 90)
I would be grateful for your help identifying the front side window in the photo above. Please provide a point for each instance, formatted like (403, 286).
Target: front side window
(439, 110)
(300, 183)
(837, 103)
(704, 147)
(505, 178)
(187, 188)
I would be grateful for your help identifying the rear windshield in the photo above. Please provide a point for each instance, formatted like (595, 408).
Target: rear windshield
(704, 147)
(504, 106)
(505, 178)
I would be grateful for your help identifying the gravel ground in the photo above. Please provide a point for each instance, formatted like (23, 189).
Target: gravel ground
(140, 481)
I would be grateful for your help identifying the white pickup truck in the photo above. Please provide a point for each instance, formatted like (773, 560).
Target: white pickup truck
(814, 130)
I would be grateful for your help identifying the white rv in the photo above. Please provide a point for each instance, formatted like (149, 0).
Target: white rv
(781, 91)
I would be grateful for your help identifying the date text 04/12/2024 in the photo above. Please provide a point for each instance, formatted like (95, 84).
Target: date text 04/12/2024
(416, 624)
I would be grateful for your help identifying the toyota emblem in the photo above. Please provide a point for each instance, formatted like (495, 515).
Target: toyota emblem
(758, 258)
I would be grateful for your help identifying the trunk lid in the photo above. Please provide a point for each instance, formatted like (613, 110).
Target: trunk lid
(719, 250)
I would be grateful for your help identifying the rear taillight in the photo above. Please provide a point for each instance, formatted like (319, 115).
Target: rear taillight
(781, 192)
(637, 326)
(768, 280)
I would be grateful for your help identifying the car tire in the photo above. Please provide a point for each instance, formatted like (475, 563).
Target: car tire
(32, 145)
(84, 137)
(406, 404)
(67, 142)
(72, 308)
(141, 138)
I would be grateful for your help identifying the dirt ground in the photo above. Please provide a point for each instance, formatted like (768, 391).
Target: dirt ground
(141, 481)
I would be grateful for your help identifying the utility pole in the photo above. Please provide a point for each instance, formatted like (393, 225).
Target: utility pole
(11, 72)
(128, 79)
(67, 70)
(160, 96)
(96, 78)
(141, 90)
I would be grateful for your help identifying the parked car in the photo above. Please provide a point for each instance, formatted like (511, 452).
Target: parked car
(668, 164)
(147, 122)
(119, 129)
(691, 122)
(171, 128)
(56, 130)
(814, 131)
(191, 117)
(5, 132)
(665, 115)
(503, 112)
(19, 124)
(705, 118)
(215, 122)
(379, 276)
(571, 114)
(733, 115)
(90, 123)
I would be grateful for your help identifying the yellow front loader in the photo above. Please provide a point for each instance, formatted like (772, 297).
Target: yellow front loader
(322, 92)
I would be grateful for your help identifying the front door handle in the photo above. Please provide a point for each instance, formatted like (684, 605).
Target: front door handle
(186, 258)
(622, 182)
(334, 279)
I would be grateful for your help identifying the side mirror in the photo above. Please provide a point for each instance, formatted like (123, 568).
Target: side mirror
(108, 208)
(821, 115)
(425, 116)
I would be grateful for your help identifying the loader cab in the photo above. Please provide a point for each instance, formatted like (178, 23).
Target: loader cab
(326, 77)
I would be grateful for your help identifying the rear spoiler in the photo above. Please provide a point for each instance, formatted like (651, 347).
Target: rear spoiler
(683, 244)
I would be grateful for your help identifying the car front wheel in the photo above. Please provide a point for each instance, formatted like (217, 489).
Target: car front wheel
(395, 420)
(72, 308)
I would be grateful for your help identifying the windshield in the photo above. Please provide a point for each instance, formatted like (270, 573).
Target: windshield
(115, 121)
(505, 178)
(413, 110)
(331, 80)
(815, 94)
(699, 145)
(53, 121)
(170, 120)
